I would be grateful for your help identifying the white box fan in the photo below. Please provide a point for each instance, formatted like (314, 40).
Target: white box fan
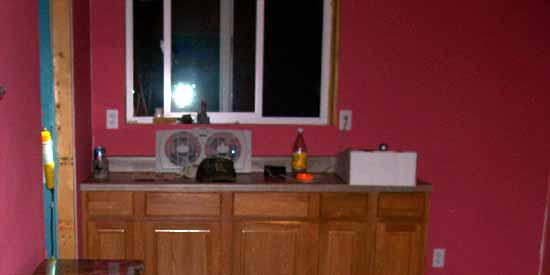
(180, 148)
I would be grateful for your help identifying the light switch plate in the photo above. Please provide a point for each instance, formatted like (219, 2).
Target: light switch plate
(345, 120)
(112, 119)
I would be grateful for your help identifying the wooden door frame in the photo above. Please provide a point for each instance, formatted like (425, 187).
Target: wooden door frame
(61, 32)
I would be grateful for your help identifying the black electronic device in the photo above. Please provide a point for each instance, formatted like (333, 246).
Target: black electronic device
(216, 170)
(271, 171)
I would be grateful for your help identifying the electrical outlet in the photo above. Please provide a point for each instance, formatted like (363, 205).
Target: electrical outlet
(345, 120)
(438, 258)
(112, 119)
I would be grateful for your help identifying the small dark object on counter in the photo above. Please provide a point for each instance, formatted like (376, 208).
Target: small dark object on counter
(100, 164)
(99, 153)
(271, 171)
(383, 147)
(202, 116)
(216, 170)
(186, 119)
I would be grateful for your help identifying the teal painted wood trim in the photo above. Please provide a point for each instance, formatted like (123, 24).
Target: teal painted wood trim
(48, 120)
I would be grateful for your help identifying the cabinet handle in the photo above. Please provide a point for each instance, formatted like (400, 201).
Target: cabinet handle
(181, 231)
(111, 230)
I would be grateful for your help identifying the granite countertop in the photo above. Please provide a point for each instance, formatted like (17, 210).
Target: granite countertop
(254, 182)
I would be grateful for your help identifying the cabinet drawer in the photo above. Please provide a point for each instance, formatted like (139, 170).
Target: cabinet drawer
(344, 205)
(183, 204)
(401, 205)
(110, 204)
(271, 205)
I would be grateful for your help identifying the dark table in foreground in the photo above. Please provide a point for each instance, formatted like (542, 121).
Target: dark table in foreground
(89, 267)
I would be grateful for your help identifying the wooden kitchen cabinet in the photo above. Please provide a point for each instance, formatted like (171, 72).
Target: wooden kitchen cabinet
(110, 240)
(247, 232)
(344, 248)
(399, 248)
(275, 248)
(399, 234)
(174, 248)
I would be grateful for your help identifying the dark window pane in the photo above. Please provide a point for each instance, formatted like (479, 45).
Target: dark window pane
(196, 54)
(148, 58)
(244, 53)
(292, 58)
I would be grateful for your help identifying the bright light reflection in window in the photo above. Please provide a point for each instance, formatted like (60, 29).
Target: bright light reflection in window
(183, 94)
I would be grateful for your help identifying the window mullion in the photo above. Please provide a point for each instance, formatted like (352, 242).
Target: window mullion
(226, 55)
(167, 53)
(129, 60)
(260, 22)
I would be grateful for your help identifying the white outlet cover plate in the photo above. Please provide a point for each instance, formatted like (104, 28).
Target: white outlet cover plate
(438, 258)
(343, 125)
(112, 119)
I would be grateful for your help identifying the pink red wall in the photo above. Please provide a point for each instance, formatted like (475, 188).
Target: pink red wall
(464, 83)
(82, 87)
(82, 91)
(545, 268)
(21, 211)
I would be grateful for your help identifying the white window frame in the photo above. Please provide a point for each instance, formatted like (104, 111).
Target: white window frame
(226, 68)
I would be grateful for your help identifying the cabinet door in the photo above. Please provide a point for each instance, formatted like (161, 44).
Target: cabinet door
(177, 248)
(108, 240)
(275, 248)
(344, 247)
(399, 248)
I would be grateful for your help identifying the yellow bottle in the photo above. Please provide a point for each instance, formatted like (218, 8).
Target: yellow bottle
(299, 154)
(47, 155)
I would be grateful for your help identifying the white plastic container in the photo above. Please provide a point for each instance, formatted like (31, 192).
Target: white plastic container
(377, 168)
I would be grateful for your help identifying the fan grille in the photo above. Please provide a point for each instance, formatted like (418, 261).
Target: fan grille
(182, 148)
